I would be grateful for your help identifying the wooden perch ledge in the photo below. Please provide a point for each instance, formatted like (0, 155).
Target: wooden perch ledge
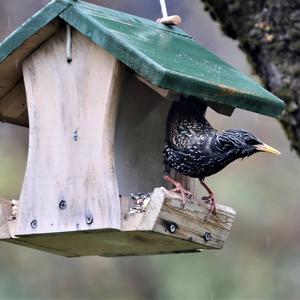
(164, 227)
(192, 223)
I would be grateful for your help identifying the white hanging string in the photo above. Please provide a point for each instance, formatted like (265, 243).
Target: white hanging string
(69, 44)
(163, 7)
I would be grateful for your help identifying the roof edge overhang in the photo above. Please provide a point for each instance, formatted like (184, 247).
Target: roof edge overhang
(31, 26)
(167, 79)
(70, 12)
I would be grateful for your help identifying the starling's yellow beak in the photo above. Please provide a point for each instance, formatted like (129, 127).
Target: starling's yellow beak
(267, 148)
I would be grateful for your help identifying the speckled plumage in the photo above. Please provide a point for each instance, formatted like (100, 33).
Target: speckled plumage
(194, 148)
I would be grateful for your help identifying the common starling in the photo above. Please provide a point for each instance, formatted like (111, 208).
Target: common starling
(195, 149)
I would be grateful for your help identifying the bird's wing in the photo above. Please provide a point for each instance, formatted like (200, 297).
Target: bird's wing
(186, 125)
(185, 132)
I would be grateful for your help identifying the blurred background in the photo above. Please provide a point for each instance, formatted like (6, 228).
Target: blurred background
(261, 257)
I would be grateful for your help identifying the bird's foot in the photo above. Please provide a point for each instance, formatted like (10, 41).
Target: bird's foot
(178, 189)
(211, 200)
(184, 193)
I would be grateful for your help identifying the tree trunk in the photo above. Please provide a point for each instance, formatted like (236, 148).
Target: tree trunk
(269, 33)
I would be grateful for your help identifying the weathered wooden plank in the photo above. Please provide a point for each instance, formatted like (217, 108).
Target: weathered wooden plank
(13, 105)
(11, 67)
(165, 93)
(29, 243)
(11, 76)
(71, 139)
(223, 109)
(142, 233)
(170, 20)
(21, 121)
(106, 243)
(192, 223)
(140, 135)
(173, 96)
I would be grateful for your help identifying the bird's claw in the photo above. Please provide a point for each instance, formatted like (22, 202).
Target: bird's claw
(184, 193)
(181, 190)
(211, 200)
(178, 189)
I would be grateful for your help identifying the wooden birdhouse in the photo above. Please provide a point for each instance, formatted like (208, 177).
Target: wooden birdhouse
(94, 87)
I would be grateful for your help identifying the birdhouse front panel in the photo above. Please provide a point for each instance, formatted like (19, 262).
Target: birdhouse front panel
(70, 181)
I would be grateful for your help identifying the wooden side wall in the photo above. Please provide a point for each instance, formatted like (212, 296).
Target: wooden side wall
(140, 135)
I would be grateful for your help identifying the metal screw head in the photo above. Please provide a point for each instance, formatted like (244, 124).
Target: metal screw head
(171, 227)
(207, 236)
(33, 224)
(75, 135)
(89, 220)
(62, 204)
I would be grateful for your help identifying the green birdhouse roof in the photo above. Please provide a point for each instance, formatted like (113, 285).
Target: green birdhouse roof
(165, 56)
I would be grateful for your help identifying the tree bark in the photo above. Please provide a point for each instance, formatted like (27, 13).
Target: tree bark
(269, 33)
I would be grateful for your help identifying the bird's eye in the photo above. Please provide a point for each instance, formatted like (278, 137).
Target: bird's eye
(252, 142)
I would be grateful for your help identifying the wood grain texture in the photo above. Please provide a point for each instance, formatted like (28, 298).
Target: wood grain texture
(170, 20)
(65, 100)
(139, 139)
(173, 96)
(106, 243)
(165, 93)
(222, 109)
(144, 233)
(11, 67)
(13, 106)
(192, 222)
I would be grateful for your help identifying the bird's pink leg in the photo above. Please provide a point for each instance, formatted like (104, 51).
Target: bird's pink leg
(178, 188)
(210, 198)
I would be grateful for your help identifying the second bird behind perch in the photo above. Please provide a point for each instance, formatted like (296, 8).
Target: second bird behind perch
(195, 149)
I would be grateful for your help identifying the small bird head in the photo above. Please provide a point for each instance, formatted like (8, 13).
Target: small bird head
(245, 143)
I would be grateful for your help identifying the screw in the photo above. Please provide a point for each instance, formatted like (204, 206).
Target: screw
(75, 135)
(62, 204)
(207, 236)
(171, 227)
(89, 220)
(33, 224)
